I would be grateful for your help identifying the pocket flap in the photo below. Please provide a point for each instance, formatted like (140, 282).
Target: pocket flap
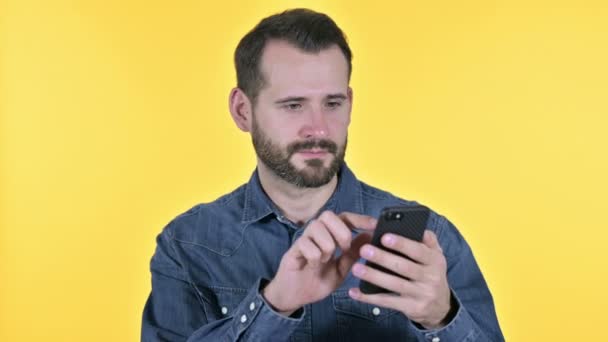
(344, 304)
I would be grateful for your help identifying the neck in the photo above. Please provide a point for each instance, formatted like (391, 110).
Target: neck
(297, 204)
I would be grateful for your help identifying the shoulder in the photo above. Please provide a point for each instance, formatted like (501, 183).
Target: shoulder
(450, 239)
(209, 224)
(375, 199)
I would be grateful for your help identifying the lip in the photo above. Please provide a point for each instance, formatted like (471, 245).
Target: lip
(313, 153)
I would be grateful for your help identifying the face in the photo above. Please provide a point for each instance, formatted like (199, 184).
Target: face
(300, 120)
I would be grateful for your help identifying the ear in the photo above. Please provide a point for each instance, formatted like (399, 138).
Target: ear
(349, 94)
(240, 109)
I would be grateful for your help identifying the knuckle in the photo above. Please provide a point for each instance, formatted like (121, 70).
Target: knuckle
(401, 267)
(315, 255)
(373, 275)
(433, 278)
(300, 244)
(345, 241)
(416, 253)
(319, 235)
(401, 245)
(312, 227)
(341, 234)
(419, 308)
(328, 246)
(443, 264)
(421, 273)
(326, 215)
(345, 235)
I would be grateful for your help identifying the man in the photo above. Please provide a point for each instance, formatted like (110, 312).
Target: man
(279, 258)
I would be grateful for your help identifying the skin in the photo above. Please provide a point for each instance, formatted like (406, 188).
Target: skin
(306, 97)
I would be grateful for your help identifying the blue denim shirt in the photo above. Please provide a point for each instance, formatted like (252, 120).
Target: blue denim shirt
(212, 261)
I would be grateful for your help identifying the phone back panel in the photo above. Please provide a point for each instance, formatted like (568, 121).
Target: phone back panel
(409, 222)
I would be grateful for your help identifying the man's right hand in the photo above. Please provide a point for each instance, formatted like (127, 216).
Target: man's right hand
(309, 271)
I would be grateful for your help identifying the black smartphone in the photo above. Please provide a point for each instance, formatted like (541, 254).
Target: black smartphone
(406, 221)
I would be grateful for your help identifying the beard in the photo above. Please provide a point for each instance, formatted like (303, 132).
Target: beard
(313, 175)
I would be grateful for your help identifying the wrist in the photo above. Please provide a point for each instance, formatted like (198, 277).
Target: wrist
(275, 300)
(449, 315)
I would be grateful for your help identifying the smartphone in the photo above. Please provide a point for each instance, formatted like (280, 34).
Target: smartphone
(407, 221)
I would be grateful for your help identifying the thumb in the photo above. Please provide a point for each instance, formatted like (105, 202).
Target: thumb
(430, 240)
(350, 256)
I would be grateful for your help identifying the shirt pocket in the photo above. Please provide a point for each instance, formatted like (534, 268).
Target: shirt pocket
(358, 321)
(221, 302)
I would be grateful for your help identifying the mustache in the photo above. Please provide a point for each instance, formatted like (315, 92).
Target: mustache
(323, 144)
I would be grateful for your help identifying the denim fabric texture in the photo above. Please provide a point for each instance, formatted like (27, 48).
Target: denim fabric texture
(212, 261)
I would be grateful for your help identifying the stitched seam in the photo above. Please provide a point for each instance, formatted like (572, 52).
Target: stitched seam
(188, 279)
(441, 223)
(246, 209)
(213, 250)
(471, 336)
(235, 290)
(375, 195)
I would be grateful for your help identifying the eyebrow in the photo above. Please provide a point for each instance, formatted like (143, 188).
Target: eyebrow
(301, 98)
(336, 96)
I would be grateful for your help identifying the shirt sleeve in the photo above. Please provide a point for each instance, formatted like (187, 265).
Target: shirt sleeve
(475, 319)
(174, 310)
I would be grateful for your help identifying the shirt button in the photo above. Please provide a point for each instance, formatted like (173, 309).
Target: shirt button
(224, 310)
(243, 319)
(252, 306)
(435, 339)
(376, 312)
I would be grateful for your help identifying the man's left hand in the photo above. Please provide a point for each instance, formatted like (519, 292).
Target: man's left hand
(424, 297)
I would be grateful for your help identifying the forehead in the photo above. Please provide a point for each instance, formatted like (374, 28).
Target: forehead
(290, 71)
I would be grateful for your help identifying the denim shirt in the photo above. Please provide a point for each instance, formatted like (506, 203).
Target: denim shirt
(212, 261)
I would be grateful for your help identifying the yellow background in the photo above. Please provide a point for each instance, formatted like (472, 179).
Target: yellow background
(114, 119)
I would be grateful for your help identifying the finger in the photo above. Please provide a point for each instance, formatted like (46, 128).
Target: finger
(338, 230)
(318, 233)
(350, 256)
(357, 221)
(393, 262)
(309, 250)
(415, 250)
(430, 240)
(384, 280)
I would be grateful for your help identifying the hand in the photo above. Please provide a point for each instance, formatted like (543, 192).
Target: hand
(425, 296)
(309, 271)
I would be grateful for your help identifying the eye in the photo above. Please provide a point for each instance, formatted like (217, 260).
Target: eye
(334, 104)
(293, 106)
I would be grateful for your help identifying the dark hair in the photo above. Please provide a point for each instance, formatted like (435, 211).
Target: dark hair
(306, 29)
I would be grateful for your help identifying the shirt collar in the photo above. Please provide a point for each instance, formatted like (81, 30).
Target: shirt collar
(346, 197)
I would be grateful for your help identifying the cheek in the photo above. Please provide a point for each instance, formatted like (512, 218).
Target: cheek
(281, 133)
(339, 126)
(272, 123)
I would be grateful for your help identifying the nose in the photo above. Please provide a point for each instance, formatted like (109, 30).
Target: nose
(315, 126)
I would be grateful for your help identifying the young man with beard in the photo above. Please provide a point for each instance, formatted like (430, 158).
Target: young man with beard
(277, 258)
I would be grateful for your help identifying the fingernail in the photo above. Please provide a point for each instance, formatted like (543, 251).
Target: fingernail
(367, 252)
(388, 239)
(358, 269)
(354, 293)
